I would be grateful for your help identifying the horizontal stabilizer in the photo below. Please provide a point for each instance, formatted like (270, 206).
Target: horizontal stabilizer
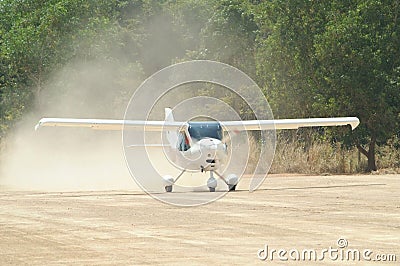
(148, 145)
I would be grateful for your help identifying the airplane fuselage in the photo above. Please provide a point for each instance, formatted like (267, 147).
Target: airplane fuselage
(205, 155)
(200, 147)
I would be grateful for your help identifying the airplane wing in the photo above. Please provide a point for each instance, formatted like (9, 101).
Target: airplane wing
(109, 124)
(289, 123)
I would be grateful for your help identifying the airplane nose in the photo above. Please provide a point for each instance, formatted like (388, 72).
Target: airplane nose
(212, 144)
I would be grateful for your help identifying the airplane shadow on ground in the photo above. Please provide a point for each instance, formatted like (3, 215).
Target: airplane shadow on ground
(316, 187)
(107, 194)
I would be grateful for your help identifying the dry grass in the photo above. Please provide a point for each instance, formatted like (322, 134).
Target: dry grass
(319, 157)
(292, 156)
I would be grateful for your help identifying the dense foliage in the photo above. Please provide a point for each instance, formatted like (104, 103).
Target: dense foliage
(312, 58)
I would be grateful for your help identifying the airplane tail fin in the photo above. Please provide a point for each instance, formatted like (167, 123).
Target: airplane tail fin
(172, 136)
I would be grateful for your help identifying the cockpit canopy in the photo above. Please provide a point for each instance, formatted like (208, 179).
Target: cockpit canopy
(198, 131)
(209, 129)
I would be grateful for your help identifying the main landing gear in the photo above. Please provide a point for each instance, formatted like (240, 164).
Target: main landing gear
(231, 181)
(169, 181)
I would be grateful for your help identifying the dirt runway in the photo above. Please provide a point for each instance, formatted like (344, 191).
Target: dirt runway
(292, 213)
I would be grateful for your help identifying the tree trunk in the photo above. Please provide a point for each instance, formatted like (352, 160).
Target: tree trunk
(370, 154)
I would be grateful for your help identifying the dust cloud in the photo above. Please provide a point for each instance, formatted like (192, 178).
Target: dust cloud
(75, 159)
(63, 159)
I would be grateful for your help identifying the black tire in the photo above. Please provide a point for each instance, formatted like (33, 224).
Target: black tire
(168, 188)
(212, 189)
(232, 188)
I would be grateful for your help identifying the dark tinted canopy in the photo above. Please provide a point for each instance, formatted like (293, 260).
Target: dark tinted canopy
(200, 130)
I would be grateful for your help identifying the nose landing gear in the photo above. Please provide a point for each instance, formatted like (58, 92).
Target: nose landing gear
(212, 182)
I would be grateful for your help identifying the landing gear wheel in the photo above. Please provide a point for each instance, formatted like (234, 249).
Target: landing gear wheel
(212, 182)
(232, 187)
(168, 188)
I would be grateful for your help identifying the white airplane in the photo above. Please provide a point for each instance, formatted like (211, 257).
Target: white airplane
(198, 145)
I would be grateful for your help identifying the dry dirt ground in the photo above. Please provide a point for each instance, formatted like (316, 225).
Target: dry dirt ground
(130, 228)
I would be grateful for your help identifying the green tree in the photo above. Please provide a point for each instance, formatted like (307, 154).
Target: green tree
(39, 37)
(224, 31)
(360, 61)
(286, 61)
(229, 35)
(333, 58)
